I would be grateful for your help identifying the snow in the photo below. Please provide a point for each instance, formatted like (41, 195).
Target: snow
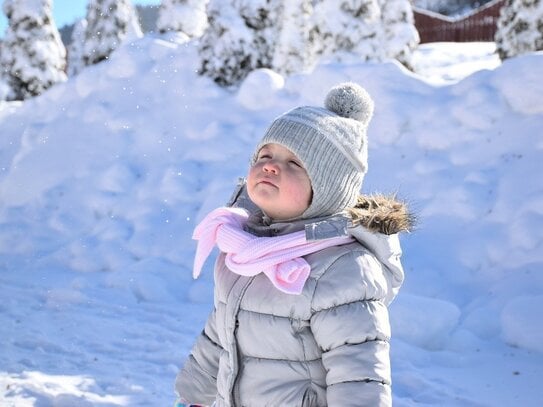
(514, 76)
(443, 63)
(103, 178)
(268, 83)
(518, 29)
(522, 321)
(185, 16)
(109, 23)
(33, 56)
(429, 329)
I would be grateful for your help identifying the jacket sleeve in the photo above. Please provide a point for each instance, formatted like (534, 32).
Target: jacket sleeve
(351, 326)
(196, 383)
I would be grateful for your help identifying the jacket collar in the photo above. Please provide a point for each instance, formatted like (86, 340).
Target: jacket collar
(315, 229)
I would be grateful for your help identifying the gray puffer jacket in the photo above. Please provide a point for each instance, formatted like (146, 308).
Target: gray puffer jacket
(328, 346)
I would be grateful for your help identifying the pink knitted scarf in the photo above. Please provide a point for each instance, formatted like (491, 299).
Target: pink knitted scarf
(278, 257)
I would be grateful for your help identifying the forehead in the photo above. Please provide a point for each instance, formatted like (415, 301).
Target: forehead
(277, 148)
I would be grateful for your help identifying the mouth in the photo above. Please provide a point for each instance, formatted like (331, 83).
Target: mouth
(267, 182)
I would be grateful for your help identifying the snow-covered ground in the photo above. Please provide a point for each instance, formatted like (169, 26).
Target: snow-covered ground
(103, 178)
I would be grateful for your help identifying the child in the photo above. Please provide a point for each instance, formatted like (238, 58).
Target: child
(303, 282)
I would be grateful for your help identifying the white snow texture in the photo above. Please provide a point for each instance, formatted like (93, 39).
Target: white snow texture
(103, 178)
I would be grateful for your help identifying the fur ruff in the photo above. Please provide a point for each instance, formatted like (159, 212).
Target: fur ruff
(382, 214)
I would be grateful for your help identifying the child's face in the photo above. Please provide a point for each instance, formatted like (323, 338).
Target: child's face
(278, 183)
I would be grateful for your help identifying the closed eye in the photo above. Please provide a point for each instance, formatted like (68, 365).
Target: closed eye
(296, 163)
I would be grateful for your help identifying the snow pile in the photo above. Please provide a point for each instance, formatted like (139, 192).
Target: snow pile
(103, 178)
(522, 321)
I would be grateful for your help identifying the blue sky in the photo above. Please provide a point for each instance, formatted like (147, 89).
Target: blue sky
(68, 11)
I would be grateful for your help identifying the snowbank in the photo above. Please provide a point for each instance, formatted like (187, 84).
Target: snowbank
(103, 178)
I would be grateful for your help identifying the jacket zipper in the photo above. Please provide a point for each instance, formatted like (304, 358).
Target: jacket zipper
(235, 390)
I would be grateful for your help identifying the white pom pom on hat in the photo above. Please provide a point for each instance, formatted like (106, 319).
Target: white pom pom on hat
(350, 100)
(331, 142)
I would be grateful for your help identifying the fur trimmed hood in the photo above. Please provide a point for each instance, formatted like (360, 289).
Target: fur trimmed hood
(382, 214)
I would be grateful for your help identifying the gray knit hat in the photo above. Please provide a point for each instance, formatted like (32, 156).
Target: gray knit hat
(332, 145)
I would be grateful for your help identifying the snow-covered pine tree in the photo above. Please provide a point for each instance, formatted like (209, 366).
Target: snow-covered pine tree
(343, 29)
(292, 50)
(520, 28)
(187, 16)
(262, 17)
(398, 35)
(33, 57)
(5, 89)
(75, 49)
(227, 50)
(109, 23)
(240, 38)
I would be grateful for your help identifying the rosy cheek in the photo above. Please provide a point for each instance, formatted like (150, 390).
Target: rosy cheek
(252, 170)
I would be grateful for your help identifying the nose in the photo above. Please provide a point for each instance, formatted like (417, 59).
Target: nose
(271, 167)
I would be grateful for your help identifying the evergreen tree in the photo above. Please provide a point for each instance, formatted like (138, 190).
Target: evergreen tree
(292, 50)
(75, 49)
(109, 23)
(187, 16)
(520, 28)
(261, 16)
(240, 38)
(33, 56)
(5, 89)
(398, 35)
(227, 47)
(343, 29)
